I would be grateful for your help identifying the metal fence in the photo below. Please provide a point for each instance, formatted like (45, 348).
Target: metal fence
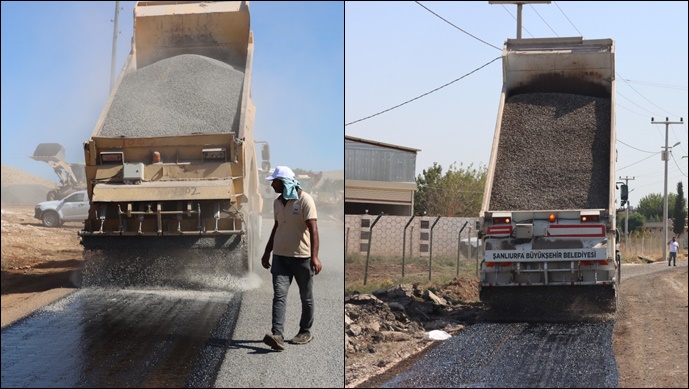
(396, 239)
(648, 246)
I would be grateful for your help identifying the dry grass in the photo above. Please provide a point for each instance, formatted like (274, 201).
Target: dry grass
(385, 272)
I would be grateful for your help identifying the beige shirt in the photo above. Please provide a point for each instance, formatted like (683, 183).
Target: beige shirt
(292, 238)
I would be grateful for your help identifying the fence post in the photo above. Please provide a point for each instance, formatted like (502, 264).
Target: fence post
(368, 249)
(459, 245)
(430, 254)
(404, 242)
(477, 242)
(347, 243)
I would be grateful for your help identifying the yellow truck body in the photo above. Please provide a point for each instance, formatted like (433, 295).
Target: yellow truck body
(166, 177)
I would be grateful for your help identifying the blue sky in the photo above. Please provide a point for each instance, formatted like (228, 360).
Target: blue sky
(396, 51)
(56, 62)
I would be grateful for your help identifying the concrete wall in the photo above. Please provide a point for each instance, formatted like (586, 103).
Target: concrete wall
(388, 236)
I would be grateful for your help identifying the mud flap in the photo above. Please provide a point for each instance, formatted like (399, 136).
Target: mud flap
(187, 262)
(550, 303)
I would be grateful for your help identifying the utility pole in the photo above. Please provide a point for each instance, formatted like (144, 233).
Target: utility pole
(626, 218)
(665, 155)
(114, 45)
(519, 11)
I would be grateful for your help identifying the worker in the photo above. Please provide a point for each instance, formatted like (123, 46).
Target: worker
(673, 252)
(294, 243)
(156, 157)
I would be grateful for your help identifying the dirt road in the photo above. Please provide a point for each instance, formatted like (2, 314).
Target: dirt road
(650, 336)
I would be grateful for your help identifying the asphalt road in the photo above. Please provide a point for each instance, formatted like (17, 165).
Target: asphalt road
(110, 337)
(527, 355)
(250, 363)
(519, 355)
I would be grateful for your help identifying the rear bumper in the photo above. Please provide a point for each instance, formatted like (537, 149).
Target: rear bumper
(550, 303)
(160, 244)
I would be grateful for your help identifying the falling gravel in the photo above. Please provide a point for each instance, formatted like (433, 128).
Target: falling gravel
(554, 153)
(518, 355)
(181, 95)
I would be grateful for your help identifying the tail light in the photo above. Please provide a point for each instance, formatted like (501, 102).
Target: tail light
(502, 220)
(590, 218)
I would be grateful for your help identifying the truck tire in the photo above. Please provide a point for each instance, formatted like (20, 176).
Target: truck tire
(52, 195)
(51, 219)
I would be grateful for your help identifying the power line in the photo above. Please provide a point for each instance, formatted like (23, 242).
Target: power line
(513, 17)
(546, 23)
(652, 103)
(617, 104)
(638, 161)
(650, 112)
(570, 22)
(425, 94)
(679, 87)
(628, 81)
(650, 152)
(450, 23)
(438, 188)
(676, 164)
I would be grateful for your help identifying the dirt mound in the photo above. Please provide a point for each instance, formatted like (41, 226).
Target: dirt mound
(14, 176)
(22, 188)
(388, 326)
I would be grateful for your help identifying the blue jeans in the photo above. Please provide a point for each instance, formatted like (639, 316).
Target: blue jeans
(283, 270)
(673, 258)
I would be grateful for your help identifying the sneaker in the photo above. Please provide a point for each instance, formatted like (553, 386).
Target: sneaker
(275, 341)
(302, 337)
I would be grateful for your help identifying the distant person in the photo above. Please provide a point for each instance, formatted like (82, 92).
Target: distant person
(294, 243)
(673, 252)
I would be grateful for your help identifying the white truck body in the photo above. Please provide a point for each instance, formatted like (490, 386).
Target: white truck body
(548, 238)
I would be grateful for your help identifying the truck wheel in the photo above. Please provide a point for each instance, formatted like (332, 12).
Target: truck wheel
(50, 219)
(52, 195)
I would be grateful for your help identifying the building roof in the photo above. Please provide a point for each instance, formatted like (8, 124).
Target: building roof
(375, 143)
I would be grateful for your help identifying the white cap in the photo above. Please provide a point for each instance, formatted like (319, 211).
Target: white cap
(281, 172)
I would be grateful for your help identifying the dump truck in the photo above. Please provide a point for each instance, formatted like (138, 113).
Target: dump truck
(72, 175)
(548, 213)
(171, 165)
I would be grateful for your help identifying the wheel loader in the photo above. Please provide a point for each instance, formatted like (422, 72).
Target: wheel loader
(72, 176)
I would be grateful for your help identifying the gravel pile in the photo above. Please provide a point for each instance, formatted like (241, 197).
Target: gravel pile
(177, 96)
(554, 153)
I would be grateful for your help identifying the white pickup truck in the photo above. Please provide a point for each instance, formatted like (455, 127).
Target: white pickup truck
(74, 207)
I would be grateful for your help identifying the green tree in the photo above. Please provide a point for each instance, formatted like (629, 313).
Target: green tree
(651, 206)
(636, 222)
(680, 211)
(426, 186)
(457, 192)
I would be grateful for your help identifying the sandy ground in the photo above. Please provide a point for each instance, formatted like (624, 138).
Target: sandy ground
(41, 265)
(650, 335)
